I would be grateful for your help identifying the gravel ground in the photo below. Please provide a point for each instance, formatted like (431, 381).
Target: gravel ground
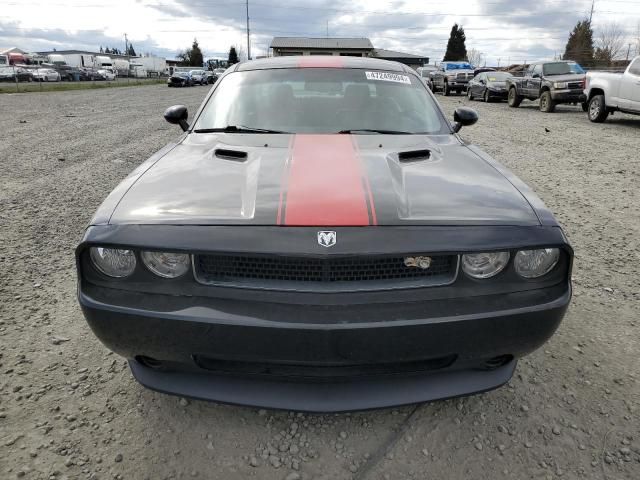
(70, 409)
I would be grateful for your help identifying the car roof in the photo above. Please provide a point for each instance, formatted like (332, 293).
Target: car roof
(322, 61)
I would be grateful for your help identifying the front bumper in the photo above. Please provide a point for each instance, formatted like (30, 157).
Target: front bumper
(323, 358)
(501, 94)
(323, 350)
(568, 96)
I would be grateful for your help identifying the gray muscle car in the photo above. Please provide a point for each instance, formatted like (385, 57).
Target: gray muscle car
(321, 239)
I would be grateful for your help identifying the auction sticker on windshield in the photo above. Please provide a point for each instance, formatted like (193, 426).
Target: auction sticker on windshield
(388, 77)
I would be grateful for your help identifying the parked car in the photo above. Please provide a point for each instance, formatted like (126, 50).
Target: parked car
(198, 77)
(426, 72)
(301, 249)
(610, 92)
(13, 74)
(488, 86)
(212, 77)
(452, 77)
(46, 75)
(180, 79)
(88, 74)
(553, 83)
(106, 74)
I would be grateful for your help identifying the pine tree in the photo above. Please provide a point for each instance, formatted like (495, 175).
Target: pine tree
(580, 44)
(106, 50)
(130, 51)
(101, 50)
(456, 48)
(233, 56)
(195, 56)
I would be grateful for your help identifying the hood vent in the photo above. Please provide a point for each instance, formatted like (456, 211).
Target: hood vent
(233, 155)
(414, 156)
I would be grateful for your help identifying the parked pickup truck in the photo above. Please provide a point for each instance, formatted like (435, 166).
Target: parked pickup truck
(610, 92)
(452, 76)
(552, 82)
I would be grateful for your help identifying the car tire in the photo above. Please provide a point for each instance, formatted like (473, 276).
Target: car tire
(585, 106)
(514, 99)
(598, 112)
(446, 91)
(547, 105)
(469, 94)
(485, 96)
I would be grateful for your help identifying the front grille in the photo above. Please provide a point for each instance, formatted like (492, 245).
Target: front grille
(331, 272)
(464, 76)
(575, 85)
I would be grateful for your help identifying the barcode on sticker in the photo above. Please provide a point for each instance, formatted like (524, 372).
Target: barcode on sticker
(388, 77)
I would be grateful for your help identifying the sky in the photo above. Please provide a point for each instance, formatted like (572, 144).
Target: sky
(502, 30)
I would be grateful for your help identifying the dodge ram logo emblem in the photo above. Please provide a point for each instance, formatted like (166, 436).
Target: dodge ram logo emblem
(327, 239)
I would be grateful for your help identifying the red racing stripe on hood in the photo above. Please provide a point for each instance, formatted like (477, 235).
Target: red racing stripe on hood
(326, 184)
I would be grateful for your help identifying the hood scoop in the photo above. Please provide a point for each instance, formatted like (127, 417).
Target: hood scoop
(233, 155)
(414, 156)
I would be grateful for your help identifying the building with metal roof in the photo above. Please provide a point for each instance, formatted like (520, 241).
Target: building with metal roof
(351, 47)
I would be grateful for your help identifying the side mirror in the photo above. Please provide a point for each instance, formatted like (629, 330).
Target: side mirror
(464, 117)
(178, 115)
(535, 75)
(483, 82)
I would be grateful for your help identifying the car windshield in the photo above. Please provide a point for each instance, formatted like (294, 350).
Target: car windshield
(181, 75)
(561, 68)
(458, 66)
(497, 76)
(322, 100)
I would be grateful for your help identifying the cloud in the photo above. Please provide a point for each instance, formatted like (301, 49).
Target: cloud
(498, 28)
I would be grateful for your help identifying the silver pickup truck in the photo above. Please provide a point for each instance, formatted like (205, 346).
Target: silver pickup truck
(611, 92)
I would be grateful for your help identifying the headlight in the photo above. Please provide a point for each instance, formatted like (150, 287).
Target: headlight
(560, 85)
(484, 265)
(166, 264)
(535, 263)
(113, 262)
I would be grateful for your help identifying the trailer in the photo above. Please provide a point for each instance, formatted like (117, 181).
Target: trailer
(56, 59)
(80, 60)
(137, 70)
(154, 66)
(121, 67)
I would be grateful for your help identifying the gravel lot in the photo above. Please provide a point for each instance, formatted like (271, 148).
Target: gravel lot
(70, 409)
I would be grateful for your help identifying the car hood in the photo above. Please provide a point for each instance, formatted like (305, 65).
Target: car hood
(321, 180)
(572, 77)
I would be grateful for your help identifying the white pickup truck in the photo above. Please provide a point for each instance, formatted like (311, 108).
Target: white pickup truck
(610, 92)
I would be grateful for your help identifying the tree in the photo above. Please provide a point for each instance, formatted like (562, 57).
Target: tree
(610, 43)
(106, 50)
(101, 50)
(185, 57)
(475, 57)
(456, 49)
(233, 56)
(579, 47)
(130, 51)
(196, 59)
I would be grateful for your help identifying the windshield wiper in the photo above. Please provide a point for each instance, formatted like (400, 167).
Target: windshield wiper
(237, 129)
(372, 130)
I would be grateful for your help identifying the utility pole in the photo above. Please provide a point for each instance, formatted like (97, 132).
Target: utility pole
(498, 62)
(327, 28)
(628, 50)
(593, 2)
(126, 50)
(248, 36)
